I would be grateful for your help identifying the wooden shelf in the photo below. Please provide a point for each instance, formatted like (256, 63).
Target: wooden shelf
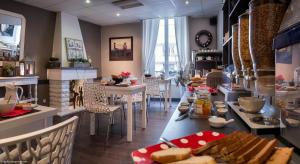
(28, 100)
(227, 41)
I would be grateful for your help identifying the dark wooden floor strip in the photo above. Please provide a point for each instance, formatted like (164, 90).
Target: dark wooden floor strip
(92, 150)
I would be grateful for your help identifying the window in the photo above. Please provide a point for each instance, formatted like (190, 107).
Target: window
(166, 57)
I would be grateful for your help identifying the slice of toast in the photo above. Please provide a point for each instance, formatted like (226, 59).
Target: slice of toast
(232, 156)
(227, 151)
(215, 151)
(281, 156)
(171, 155)
(264, 153)
(212, 144)
(234, 146)
(252, 151)
(197, 160)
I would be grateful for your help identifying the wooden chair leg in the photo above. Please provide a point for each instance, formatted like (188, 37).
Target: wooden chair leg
(108, 128)
(134, 115)
(98, 123)
(121, 113)
(123, 106)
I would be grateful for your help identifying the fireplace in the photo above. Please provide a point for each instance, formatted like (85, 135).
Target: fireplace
(60, 92)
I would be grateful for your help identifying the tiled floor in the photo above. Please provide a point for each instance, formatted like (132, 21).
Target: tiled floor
(91, 149)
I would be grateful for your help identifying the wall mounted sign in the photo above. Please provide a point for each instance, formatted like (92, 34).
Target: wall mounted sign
(203, 38)
(74, 49)
(121, 48)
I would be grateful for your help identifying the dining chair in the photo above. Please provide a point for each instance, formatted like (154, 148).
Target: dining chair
(96, 101)
(50, 145)
(153, 89)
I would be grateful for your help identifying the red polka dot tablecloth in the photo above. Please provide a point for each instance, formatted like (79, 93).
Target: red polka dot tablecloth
(142, 156)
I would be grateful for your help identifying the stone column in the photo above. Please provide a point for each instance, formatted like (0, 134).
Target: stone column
(59, 92)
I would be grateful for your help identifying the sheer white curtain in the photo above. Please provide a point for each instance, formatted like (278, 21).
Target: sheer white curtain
(150, 32)
(182, 41)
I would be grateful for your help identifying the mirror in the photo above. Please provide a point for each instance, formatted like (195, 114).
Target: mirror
(12, 34)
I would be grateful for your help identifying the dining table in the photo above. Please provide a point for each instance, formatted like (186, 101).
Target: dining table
(129, 92)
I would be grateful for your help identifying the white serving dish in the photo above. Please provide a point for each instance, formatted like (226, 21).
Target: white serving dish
(251, 104)
(218, 122)
(222, 111)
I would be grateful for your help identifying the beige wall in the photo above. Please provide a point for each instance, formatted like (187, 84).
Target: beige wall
(198, 24)
(115, 67)
(91, 34)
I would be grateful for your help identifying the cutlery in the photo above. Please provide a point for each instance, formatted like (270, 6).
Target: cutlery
(166, 141)
(182, 116)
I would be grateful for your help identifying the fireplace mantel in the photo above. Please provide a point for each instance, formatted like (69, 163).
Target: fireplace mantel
(59, 88)
(69, 73)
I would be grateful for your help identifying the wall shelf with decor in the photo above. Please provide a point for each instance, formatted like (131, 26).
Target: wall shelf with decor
(22, 81)
(232, 9)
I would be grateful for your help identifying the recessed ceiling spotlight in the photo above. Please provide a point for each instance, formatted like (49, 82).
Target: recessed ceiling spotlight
(118, 14)
(187, 2)
(88, 1)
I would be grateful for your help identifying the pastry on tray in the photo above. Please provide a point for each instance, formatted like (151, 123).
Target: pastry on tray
(197, 160)
(180, 156)
(171, 155)
(24, 105)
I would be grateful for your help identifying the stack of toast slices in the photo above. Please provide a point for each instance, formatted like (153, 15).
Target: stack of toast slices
(242, 147)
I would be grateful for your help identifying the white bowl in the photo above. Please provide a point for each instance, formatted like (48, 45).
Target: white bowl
(184, 104)
(220, 106)
(222, 111)
(183, 109)
(218, 122)
(5, 108)
(218, 102)
(191, 99)
(251, 104)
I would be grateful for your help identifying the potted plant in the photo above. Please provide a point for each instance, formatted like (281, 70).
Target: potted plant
(80, 62)
(8, 70)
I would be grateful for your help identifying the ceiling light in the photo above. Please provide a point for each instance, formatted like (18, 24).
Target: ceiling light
(88, 1)
(187, 2)
(118, 14)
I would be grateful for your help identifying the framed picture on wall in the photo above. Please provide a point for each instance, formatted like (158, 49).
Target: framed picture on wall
(74, 49)
(121, 48)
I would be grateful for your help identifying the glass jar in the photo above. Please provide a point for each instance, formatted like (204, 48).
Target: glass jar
(235, 49)
(244, 51)
(265, 17)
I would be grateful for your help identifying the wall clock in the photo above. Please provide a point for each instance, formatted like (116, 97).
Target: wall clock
(203, 38)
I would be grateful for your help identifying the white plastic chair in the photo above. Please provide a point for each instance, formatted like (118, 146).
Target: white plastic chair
(153, 88)
(50, 145)
(96, 101)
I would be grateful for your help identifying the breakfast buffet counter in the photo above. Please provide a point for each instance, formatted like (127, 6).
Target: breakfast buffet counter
(187, 126)
(41, 117)
(176, 129)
